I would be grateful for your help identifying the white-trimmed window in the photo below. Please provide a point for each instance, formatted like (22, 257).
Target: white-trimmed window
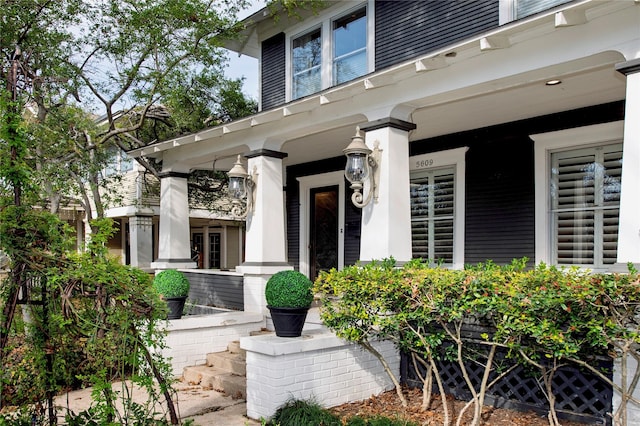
(350, 46)
(511, 10)
(332, 52)
(119, 162)
(307, 63)
(578, 181)
(585, 205)
(432, 214)
(437, 206)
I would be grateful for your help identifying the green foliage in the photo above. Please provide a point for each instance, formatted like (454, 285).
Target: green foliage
(358, 300)
(297, 412)
(27, 234)
(169, 58)
(92, 321)
(303, 413)
(377, 421)
(563, 312)
(289, 289)
(22, 417)
(543, 316)
(171, 283)
(13, 166)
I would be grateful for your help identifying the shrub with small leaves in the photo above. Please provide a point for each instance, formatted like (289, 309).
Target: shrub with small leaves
(289, 289)
(171, 283)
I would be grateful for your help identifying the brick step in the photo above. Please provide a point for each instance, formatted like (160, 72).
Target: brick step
(217, 379)
(230, 362)
(234, 348)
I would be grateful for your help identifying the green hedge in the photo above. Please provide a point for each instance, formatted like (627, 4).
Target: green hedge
(541, 313)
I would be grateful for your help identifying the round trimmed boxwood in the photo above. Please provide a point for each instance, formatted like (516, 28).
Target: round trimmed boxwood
(289, 289)
(171, 283)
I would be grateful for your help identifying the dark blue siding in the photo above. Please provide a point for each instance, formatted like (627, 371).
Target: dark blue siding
(500, 207)
(500, 202)
(273, 71)
(407, 29)
(222, 291)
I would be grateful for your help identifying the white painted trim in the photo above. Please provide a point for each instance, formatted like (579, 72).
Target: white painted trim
(371, 35)
(223, 248)
(544, 145)
(306, 184)
(324, 23)
(507, 11)
(456, 158)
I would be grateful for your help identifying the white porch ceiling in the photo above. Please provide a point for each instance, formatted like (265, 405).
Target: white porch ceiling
(577, 90)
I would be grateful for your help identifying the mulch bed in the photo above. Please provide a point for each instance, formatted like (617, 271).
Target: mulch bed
(388, 405)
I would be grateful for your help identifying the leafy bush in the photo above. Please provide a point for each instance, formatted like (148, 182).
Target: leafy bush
(544, 316)
(171, 283)
(102, 319)
(289, 289)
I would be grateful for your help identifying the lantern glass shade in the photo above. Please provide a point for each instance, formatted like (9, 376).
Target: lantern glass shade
(357, 168)
(237, 187)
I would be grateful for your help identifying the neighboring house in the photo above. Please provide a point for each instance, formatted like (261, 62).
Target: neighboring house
(507, 129)
(215, 239)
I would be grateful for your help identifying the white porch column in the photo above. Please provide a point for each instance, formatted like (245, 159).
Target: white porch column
(141, 241)
(629, 227)
(174, 248)
(386, 224)
(265, 242)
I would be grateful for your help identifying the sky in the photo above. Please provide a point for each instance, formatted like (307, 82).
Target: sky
(246, 66)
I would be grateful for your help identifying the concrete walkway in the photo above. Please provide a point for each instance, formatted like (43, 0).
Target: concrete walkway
(203, 406)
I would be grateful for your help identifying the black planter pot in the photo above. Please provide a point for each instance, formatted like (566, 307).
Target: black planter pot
(288, 322)
(176, 306)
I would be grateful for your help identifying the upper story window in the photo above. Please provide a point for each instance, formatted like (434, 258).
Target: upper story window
(333, 52)
(119, 162)
(511, 10)
(307, 64)
(350, 46)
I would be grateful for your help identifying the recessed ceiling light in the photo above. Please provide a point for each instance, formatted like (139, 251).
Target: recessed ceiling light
(553, 82)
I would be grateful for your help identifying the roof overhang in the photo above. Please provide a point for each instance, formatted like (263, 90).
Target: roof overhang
(453, 89)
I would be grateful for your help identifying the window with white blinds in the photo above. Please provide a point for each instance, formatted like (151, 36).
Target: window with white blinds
(526, 8)
(585, 201)
(432, 214)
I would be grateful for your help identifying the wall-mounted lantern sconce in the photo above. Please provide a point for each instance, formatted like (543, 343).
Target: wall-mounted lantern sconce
(241, 186)
(360, 159)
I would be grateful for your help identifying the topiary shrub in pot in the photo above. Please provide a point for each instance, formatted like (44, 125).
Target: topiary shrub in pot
(289, 297)
(173, 286)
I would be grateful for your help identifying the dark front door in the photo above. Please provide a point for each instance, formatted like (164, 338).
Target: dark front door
(324, 230)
